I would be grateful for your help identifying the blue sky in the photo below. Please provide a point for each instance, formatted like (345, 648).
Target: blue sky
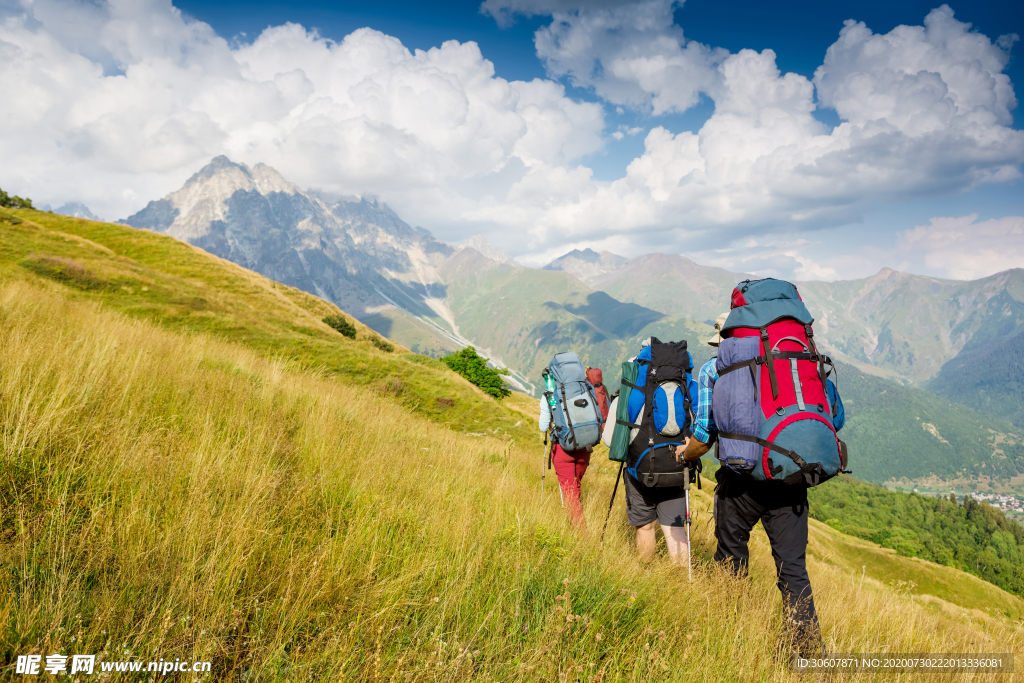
(798, 31)
(627, 125)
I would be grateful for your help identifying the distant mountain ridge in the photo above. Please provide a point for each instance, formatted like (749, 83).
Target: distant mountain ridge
(481, 245)
(587, 264)
(898, 325)
(356, 253)
(432, 297)
(77, 210)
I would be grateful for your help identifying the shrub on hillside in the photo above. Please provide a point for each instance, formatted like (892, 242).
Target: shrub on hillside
(15, 202)
(63, 270)
(384, 346)
(342, 325)
(9, 218)
(474, 368)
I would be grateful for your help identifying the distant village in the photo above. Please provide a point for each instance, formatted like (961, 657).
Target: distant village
(1008, 503)
(1003, 501)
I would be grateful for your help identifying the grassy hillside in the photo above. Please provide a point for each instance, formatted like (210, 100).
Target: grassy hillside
(172, 493)
(234, 483)
(153, 277)
(974, 537)
(904, 433)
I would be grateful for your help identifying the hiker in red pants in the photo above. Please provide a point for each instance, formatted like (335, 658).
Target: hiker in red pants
(569, 468)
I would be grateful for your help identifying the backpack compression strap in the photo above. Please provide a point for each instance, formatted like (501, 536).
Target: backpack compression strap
(812, 474)
(819, 358)
(623, 422)
(568, 418)
(821, 365)
(792, 455)
(771, 366)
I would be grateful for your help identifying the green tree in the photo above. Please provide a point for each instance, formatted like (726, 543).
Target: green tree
(474, 368)
(15, 202)
(975, 536)
(342, 325)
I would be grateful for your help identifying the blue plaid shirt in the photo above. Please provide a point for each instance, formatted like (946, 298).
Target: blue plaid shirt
(704, 428)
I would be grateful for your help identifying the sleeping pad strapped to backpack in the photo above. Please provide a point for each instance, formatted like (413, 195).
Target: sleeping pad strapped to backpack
(575, 418)
(658, 410)
(770, 401)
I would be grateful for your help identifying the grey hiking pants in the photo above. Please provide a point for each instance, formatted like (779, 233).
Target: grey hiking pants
(782, 509)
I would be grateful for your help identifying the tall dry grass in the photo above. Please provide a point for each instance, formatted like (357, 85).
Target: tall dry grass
(170, 496)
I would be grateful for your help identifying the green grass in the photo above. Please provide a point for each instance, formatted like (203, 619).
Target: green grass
(153, 277)
(930, 584)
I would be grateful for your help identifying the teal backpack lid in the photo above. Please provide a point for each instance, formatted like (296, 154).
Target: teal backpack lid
(757, 303)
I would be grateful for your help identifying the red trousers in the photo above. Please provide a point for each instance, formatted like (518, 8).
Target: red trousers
(569, 467)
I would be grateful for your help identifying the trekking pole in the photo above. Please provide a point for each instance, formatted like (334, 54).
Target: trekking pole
(551, 456)
(614, 489)
(686, 489)
(544, 462)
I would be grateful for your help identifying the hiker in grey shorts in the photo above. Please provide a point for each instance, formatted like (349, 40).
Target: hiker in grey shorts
(666, 506)
(655, 494)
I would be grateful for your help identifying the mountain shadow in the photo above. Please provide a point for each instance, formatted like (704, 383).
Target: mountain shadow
(616, 318)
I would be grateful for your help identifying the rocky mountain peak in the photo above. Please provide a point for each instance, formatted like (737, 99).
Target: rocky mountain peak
(77, 210)
(267, 180)
(353, 251)
(480, 244)
(586, 264)
(218, 165)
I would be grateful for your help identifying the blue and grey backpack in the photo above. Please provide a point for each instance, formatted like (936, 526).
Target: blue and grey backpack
(659, 411)
(575, 417)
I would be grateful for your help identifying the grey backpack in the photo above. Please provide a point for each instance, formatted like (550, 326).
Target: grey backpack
(575, 417)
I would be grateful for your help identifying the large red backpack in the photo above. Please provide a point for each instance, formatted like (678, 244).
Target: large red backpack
(771, 400)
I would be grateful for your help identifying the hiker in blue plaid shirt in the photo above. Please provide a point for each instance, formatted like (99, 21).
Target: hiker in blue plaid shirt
(704, 422)
(740, 503)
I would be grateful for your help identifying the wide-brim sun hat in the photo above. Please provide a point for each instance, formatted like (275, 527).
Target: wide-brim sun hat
(717, 339)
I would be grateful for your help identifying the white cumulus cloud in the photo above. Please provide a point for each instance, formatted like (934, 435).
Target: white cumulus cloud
(116, 102)
(630, 54)
(924, 110)
(124, 112)
(964, 248)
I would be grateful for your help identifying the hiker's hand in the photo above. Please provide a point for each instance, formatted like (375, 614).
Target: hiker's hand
(694, 448)
(681, 450)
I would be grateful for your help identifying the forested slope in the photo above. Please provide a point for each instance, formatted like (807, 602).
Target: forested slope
(897, 432)
(974, 537)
